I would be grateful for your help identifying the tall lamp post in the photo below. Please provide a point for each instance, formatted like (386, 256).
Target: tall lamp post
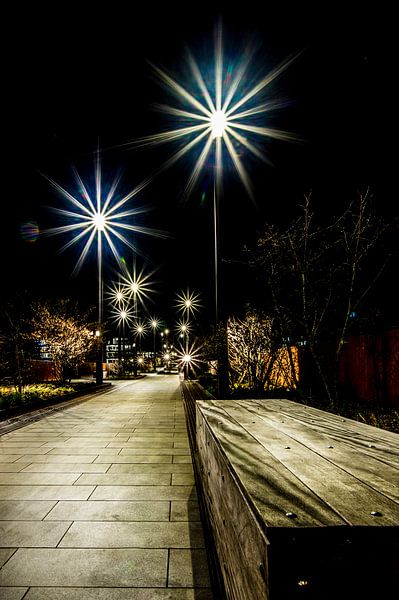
(222, 118)
(96, 216)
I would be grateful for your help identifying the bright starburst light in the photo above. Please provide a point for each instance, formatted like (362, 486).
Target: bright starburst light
(189, 357)
(137, 285)
(99, 215)
(140, 329)
(221, 111)
(116, 294)
(188, 303)
(123, 315)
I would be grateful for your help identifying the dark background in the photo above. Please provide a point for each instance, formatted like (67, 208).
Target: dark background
(77, 77)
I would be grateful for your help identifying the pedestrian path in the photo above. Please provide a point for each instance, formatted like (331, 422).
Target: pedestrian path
(98, 501)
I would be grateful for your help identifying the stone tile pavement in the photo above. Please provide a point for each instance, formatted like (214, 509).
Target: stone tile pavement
(98, 501)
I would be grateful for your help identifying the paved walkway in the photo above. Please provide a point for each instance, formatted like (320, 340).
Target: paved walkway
(98, 501)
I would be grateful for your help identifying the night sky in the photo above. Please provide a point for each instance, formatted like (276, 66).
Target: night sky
(77, 78)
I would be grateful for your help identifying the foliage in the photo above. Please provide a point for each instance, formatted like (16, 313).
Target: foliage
(258, 360)
(32, 393)
(315, 278)
(67, 333)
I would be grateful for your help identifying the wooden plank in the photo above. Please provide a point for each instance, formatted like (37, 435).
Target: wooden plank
(240, 543)
(270, 487)
(260, 461)
(353, 500)
(372, 441)
(381, 476)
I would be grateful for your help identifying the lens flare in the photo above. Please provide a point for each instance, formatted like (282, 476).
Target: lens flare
(223, 112)
(100, 215)
(29, 231)
(188, 303)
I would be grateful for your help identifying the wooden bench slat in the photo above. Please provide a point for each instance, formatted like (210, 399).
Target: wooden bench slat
(343, 492)
(270, 487)
(367, 466)
(364, 434)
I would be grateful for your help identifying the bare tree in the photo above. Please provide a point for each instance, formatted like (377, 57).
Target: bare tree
(316, 277)
(15, 349)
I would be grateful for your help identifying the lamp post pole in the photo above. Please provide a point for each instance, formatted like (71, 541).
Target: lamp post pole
(154, 325)
(99, 361)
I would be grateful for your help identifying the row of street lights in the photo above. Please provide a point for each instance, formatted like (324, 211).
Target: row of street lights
(222, 117)
(127, 317)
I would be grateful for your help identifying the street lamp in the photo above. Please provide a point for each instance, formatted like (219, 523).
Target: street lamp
(188, 303)
(189, 358)
(223, 119)
(154, 324)
(184, 327)
(97, 217)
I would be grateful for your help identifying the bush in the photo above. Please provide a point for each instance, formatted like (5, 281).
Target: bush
(32, 394)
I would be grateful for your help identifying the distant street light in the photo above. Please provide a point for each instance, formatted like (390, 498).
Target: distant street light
(95, 218)
(188, 303)
(154, 325)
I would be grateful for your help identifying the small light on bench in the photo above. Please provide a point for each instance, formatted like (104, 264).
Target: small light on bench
(291, 515)
(376, 513)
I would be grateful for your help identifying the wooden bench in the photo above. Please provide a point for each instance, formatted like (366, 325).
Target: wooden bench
(302, 503)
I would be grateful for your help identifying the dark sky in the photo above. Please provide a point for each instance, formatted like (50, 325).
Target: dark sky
(78, 77)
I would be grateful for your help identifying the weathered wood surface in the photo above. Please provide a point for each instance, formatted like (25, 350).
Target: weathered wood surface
(192, 392)
(261, 462)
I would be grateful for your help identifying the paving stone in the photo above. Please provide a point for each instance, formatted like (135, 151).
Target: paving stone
(142, 444)
(24, 510)
(12, 593)
(5, 554)
(66, 468)
(23, 450)
(62, 567)
(133, 534)
(136, 459)
(89, 446)
(162, 451)
(136, 492)
(37, 478)
(188, 568)
(31, 534)
(45, 492)
(182, 479)
(124, 449)
(25, 444)
(12, 467)
(110, 511)
(184, 511)
(60, 458)
(151, 436)
(40, 593)
(98, 434)
(125, 479)
(181, 444)
(150, 468)
(186, 458)
(87, 450)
